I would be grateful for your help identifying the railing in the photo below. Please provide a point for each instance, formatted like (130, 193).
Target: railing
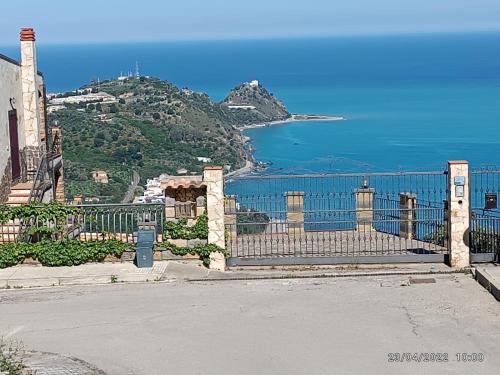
(337, 215)
(484, 238)
(115, 221)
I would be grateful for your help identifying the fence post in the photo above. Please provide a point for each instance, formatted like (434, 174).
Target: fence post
(169, 208)
(230, 216)
(407, 205)
(364, 209)
(214, 180)
(458, 214)
(295, 211)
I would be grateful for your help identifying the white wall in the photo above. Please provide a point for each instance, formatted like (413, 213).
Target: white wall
(10, 87)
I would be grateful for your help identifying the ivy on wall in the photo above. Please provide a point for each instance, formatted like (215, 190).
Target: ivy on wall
(60, 253)
(180, 230)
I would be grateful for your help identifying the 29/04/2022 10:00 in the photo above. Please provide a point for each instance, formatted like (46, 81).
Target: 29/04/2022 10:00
(435, 357)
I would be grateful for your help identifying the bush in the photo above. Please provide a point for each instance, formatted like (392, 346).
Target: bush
(180, 230)
(484, 240)
(250, 221)
(60, 253)
(203, 251)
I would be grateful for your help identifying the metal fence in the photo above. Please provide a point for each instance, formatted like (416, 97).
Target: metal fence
(92, 223)
(484, 238)
(336, 218)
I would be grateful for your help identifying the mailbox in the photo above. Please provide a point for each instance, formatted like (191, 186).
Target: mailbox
(490, 201)
(144, 248)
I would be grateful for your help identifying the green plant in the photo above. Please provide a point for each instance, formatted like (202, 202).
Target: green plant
(250, 221)
(437, 236)
(203, 251)
(11, 362)
(484, 240)
(43, 221)
(60, 253)
(114, 279)
(179, 229)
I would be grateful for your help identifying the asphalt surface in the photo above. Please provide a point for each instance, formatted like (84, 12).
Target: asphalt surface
(361, 325)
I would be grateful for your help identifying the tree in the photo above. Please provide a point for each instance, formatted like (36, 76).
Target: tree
(121, 101)
(91, 107)
(156, 116)
(113, 108)
(98, 107)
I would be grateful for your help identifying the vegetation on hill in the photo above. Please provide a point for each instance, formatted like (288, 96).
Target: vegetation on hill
(267, 107)
(154, 127)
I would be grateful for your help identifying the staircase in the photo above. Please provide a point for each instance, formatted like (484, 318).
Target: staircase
(19, 195)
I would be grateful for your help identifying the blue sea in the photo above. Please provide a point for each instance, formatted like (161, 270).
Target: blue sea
(410, 102)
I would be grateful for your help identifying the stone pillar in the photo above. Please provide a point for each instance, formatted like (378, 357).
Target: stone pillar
(407, 207)
(230, 216)
(31, 103)
(169, 208)
(201, 203)
(295, 212)
(364, 209)
(458, 214)
(213, 178)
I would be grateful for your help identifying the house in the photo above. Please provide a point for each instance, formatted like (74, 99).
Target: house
(30, 151)
(100, 177)
(204, 159)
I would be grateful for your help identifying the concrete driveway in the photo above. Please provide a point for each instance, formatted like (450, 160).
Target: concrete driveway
(308, 326)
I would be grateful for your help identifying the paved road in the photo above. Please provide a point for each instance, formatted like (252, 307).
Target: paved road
(293, 327)
(129, 195)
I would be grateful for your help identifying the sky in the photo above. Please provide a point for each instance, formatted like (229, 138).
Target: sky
(91, 21)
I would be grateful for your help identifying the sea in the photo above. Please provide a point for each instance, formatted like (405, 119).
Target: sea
(410, 102)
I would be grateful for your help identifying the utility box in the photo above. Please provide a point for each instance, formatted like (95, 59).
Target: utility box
(144, 248)
(490, 201)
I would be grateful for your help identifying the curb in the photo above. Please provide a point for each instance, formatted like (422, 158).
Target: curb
(52, 282)
(328, 276)
(488, 282)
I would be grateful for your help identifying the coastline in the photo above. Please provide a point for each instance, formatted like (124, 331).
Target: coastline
(293, 118)
(250, 163)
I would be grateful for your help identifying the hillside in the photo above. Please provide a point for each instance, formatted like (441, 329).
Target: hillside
(152, 127)
(254, 104)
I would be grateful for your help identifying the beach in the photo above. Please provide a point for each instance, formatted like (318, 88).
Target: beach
(293, 118)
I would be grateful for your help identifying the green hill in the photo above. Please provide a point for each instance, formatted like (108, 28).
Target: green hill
(152, 127)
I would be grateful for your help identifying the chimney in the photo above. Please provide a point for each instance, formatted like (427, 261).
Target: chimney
(29, 73)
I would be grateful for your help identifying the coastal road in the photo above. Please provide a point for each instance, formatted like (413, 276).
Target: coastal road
(129, 195)
(294, 327)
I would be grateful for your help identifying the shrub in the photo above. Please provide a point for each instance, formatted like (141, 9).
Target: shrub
(179, 229)
(60, 253)
(250, 221)
(203, 251)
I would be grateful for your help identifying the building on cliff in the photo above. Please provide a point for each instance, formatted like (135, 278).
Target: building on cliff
(30, 151)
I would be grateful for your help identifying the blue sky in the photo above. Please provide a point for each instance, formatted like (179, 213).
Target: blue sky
(69, 21)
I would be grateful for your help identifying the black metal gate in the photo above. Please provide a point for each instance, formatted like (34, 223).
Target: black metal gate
(336, 218)
(484, 238)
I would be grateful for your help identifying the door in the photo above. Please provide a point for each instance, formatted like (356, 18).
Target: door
(14, 146)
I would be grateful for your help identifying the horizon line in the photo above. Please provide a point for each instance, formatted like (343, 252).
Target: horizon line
(267, 38)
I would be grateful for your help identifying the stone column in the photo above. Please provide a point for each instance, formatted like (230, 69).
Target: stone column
(364, 209)
(213, 178)
(201, 203)
(31, 103)
(407, 206)
(169, 208)
(230, 216)
(458, 214)
(295, 212)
